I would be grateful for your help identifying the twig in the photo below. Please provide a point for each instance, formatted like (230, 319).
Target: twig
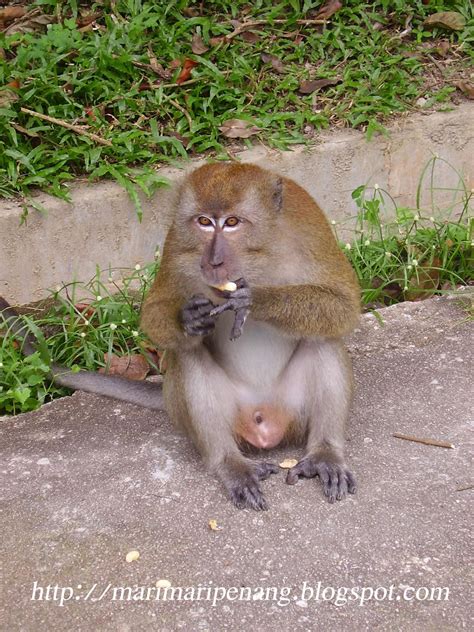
(181, 109)
(435, 442)
(465, 489)
(74, 128)
(249, 25)
(436, 63)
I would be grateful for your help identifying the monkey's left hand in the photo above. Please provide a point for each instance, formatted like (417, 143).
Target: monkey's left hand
(238, 301)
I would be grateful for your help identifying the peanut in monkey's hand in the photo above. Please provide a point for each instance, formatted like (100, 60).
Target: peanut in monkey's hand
(238, 301)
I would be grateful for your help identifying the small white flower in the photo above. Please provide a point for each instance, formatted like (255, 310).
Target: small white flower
(348, 246)
(434, 247)
(1, 365)
(98, 297)
(86, 322)
(333, 222)
(82, 334)
(113, 326)
(416, 218)
(138, 267)
(414, 262)
(157, 253)
(432, 219)
(388, 254)
(123, 321)
(409, 267)
(367, 242)
(134, 333)
(405, 288)
(376, 187)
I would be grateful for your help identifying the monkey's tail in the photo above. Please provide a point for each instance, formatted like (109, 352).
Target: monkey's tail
(138, 392)
(135, 392)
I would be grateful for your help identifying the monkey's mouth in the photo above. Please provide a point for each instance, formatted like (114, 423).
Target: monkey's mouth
(218, 276)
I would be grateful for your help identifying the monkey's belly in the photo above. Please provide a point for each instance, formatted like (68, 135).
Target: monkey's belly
(256, 360)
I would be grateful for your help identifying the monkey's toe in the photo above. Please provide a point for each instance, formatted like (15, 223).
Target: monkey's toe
(248, 495)
(337, 480)
(264, 470)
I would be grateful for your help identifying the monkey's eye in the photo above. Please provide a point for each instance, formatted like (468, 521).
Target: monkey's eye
(204, 221)
(232, 221)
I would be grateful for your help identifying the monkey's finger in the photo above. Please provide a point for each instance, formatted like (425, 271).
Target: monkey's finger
(241, 283)
(239, 321)
(351, 482)
(306, 468)
(220, 309)
(198, 299)
(329, 474)
(264, 470)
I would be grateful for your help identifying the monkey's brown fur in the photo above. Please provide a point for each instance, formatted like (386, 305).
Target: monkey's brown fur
(301, 286)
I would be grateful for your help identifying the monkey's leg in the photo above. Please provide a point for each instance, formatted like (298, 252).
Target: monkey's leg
(319, 380)
(212, 407)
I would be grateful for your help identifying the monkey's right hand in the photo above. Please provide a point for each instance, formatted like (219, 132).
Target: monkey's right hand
(196, 316)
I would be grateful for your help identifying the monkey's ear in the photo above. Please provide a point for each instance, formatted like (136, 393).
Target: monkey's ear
(277, 194)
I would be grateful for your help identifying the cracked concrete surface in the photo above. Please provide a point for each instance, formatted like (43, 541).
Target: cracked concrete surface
(86, 479)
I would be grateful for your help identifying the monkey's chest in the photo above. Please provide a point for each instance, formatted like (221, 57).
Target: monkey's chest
(257, 359)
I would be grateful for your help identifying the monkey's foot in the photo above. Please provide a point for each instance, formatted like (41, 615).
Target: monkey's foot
(337, 480)
(242, 483)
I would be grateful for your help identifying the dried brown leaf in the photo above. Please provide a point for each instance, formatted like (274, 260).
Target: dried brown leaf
(237, 128)
(185, 73)
(7, 97)
(466, 88)
(310, 86)
(215, 41)
(446, 19)
(156, 66)
(197, 45)
(134, 367)
(328, 9)
(276, 63)
(250, 37)
(32, 22)
(8, 14)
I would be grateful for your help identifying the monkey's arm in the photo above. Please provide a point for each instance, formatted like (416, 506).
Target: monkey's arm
(308, 310)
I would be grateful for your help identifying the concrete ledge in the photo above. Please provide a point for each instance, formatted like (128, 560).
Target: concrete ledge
(100, 226)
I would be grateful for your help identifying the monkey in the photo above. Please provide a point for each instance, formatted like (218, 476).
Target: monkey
(296, 297)
(261, 363)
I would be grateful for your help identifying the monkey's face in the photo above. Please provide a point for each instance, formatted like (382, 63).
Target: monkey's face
(219, 263)
(226, 214)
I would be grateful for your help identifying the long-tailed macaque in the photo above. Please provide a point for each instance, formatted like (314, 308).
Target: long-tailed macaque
(251, 301)
(271, 348)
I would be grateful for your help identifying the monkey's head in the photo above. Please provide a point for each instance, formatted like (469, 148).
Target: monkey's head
(227, 213)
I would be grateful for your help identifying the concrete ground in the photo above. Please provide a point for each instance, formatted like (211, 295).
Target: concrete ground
(86, 480)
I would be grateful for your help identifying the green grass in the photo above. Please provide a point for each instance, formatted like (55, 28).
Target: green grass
(411, 257)
(83, 322)
(424, 250)
(102, 79)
